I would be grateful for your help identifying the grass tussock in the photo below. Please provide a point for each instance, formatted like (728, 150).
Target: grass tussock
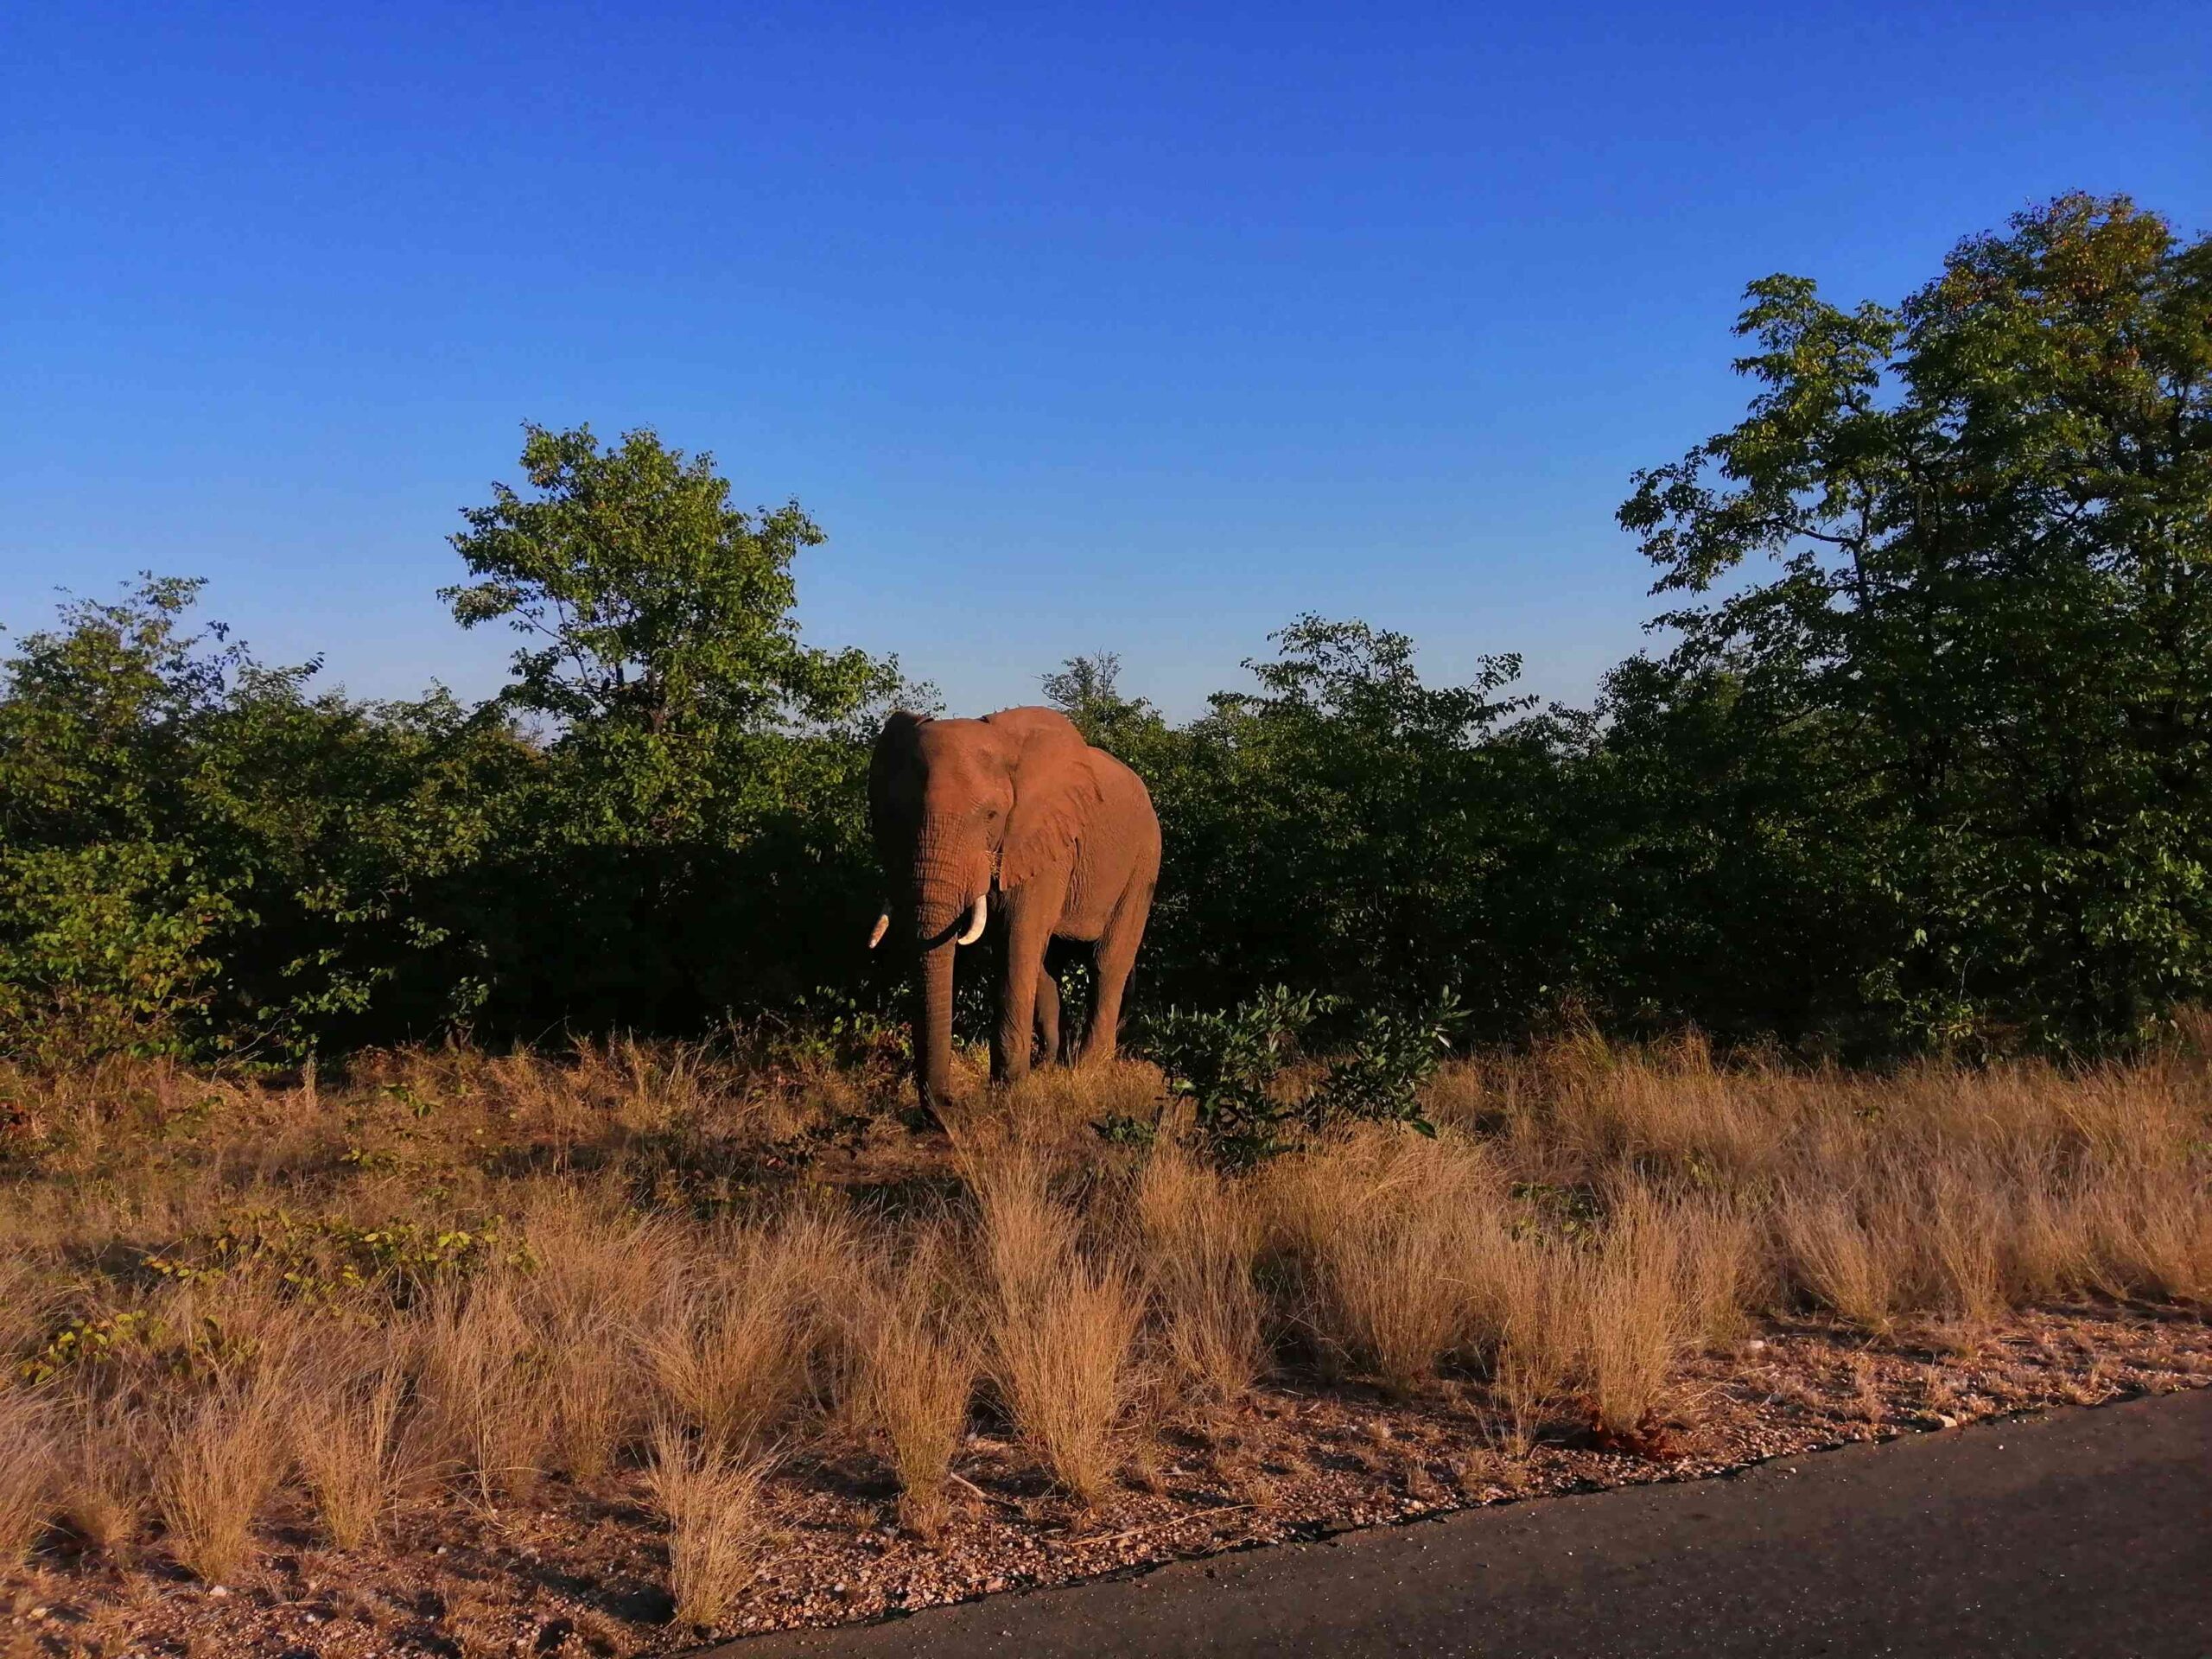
(351, 1442)
(1061, 1320)
(1377, 1233)
(915, 1369)
(645, 1269)
(482, 1382)
(712, 1504)
(30, 1465)
(223, 1455)
(1198, 1236)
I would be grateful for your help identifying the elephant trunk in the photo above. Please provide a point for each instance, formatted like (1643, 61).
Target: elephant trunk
(952, 894)
(933, 1025)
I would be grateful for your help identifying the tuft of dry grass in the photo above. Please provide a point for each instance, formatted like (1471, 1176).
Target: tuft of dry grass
(916, 1368)
(1859, 1268)
(734, 1343)
(1061, 1322)
(349, 1440)
(712, 1503)
(29, 1466)
(481, 1385)
(1523, 1309)
(221, 1462)
(599, 1268)
(1637, 1301)
(1198, 1235)
(1380, 1228)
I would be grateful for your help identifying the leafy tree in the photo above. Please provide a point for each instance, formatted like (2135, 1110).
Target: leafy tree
(664, 650)
(199, 855)
(1987, 509)
(1348, 827)
(700, 811)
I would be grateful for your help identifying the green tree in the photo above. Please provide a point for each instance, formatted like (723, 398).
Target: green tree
(664, 647)
(1988, 512)
(700, 817)
(1348, 829)
(198, 856)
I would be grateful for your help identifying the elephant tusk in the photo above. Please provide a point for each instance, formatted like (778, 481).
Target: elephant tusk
(974, 921)
(882, 926)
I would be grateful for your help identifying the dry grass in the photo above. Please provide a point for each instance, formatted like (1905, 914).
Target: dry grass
(737, 1337)
(1061, 1321)
(1639, 1308)
(712, 1504)
(1379, 1232)
(1197, 1236)
(222, 1460)
(217, 1297)
(350, 1441)
(29, 1468)
(482, 1382)
(915, 1369)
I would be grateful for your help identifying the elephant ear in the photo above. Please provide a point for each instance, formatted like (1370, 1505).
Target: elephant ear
(1055, 790)
(893, 756)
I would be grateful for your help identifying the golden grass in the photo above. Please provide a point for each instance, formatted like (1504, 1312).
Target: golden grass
(1197, 1237)
(210, 1288)
(915, 1369)
(1061, 1322)
(1378, 1232)
(711, 1502)
(30, 1467)
(350, 1441)
(736, 1336)
(482, 1387)
(223, 1458)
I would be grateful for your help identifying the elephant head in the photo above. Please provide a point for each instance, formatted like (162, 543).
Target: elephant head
(961, 807)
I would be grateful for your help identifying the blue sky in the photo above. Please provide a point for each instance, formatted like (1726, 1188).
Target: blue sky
(1093, 328)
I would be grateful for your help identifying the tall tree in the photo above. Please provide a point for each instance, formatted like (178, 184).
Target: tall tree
(703, 791)
(1989, 509)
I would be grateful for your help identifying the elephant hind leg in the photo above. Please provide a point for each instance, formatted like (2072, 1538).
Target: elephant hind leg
(1048, 1015)
(1117, 955)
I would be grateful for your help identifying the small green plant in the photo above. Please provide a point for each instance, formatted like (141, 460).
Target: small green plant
(1229, 1065)
(1124, 1129)
(89, 1341)
(418, 1106)
(1395, 1052)
(316, 1256)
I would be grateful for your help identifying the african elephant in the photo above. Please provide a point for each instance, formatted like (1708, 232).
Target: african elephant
(1012, 819)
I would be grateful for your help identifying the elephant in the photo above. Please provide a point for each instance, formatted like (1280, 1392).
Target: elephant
(1012, 819)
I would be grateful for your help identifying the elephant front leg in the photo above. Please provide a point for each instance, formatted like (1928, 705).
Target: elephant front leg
(1030, 912)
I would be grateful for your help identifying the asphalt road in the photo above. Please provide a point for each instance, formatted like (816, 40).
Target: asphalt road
(2082, 1533)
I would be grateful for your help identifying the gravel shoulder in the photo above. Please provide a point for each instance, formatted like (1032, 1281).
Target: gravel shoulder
(2081, 1532)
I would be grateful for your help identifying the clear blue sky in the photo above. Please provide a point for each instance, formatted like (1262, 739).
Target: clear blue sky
(1101, 327)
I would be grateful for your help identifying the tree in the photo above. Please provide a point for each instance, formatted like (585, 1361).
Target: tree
(1348, 829)
(703, 789)
(1988, 509)
(664, 651)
